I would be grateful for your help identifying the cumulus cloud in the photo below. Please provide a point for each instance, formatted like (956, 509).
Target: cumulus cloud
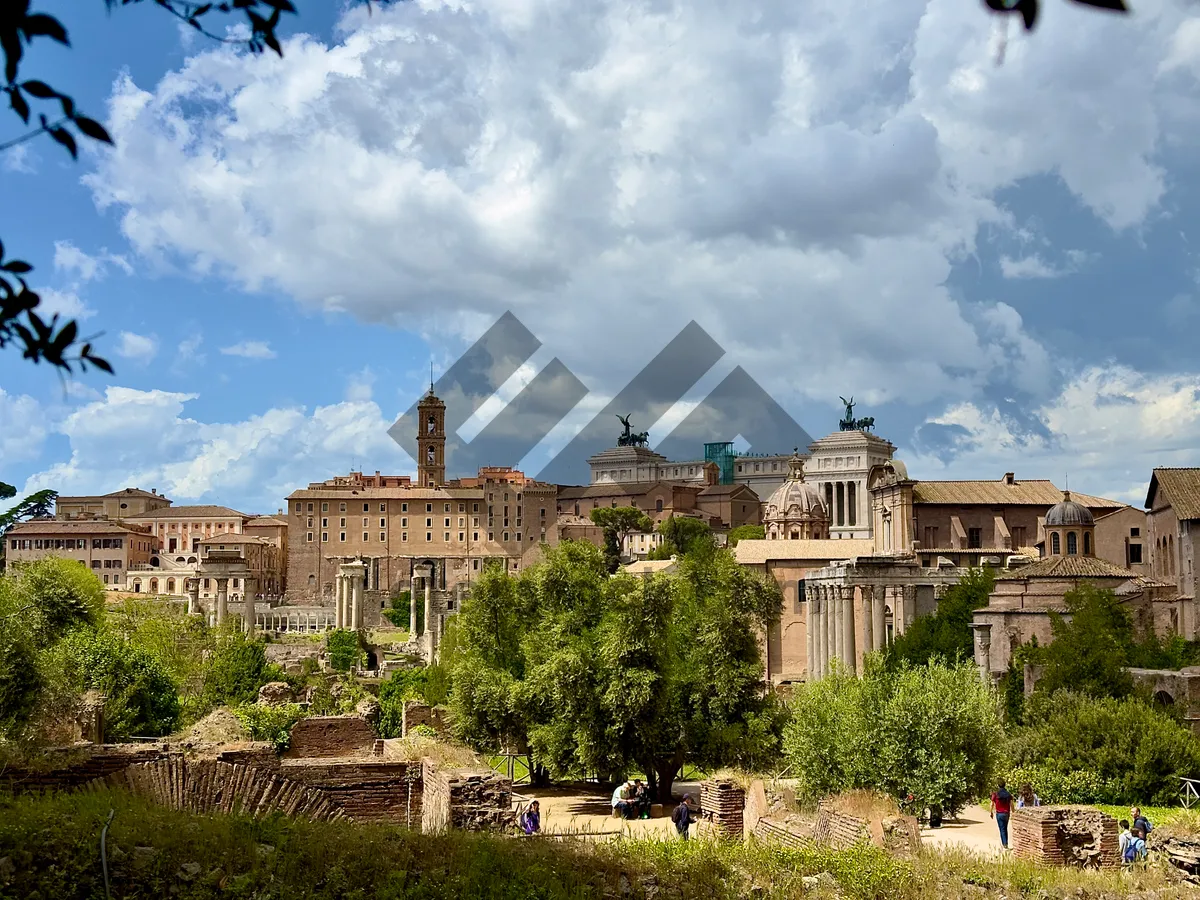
(84, 266)
(137, 347)
(798, 178)
(65, 303)
(1035, 266)
(146, 438)
(250, 350)
(1106, 431)
(23, 428)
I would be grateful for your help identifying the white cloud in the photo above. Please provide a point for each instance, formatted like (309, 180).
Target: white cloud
(145, 437)
(1106, 430)
(137, 347)
(84, 266)
(797, 178)
(17, 160)
(1035, 266)
(66, 304)
(250, 350)
(23, 428)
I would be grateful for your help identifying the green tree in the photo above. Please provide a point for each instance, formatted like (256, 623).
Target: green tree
(945, 635)
(237, 667)
(746, 533)
(681, 534)
(401, 607)
(39, 505)
(1091, 646)
(618, 522)
(344, 650)
(599, 674)
(932, 730)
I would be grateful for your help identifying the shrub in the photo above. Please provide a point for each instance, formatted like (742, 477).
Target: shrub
(236, 669)
(343, 650)
(1052, 786)
(932, 730)
(1133, 750)
(270, 723)
(945, 635)
(406, 684)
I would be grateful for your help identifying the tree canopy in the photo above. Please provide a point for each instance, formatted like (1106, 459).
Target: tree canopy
(599, 674)
(681, 534)
(618, 522)
(945, 635)
(1091, 647)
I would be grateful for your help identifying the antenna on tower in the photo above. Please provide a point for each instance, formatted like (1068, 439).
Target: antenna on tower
(431, 376)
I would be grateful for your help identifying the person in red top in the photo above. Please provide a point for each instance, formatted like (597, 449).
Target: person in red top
(1001, 809)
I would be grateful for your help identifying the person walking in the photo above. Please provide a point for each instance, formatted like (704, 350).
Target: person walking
(1027, 798)
(1001, 809)
(531, 819)
(1137, 820)
(682, 816)
(1124, 837)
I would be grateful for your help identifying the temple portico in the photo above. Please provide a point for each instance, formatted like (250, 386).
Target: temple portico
(348, 596)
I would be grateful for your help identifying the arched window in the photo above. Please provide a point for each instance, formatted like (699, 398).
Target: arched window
(154, 585)
(1055, 546)
(1072, 543)
(1087, 544)
(658, 505)
(170, 585)
(312, 580)
(1171, 554)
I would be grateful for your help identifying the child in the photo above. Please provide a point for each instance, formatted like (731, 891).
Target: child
(1136, 849)
(1124, 837)
(682, 816)
(531, 819)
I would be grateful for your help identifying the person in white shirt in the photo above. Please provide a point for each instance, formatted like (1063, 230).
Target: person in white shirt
(621, 802)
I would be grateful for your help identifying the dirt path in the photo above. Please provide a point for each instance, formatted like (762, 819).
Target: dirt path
(581, 811)
(973, 830)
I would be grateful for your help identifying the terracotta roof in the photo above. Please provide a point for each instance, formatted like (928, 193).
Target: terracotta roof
(235, 539)
(124, 492)
(622, 489)
(1139, 583)
(718, 489)
(1182, 487)
(264, 520)
(1066, 567)
(1038, 492)
(188, 512)
(755, 550)
(73, 526)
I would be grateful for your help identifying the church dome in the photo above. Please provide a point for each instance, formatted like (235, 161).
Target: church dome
(1067, 512)
(795, 500)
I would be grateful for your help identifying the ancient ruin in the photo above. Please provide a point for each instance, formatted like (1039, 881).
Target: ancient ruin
(1079, 836)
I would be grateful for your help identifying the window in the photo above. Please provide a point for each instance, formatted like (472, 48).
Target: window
(506, 535)
(974, 537)
(95, 563)
(324, 507)
(383, 507)
(1087, 544)
(403, 536)
(383, 523)
(447, 509)
(382, 536)
(1135, 532)
(475, 535)
(366, 507)
(475, 564)
(366, 537)
(325, 523)
(657, 506)
(324, 537)
(366, 522)
(428, 537)
(428, 522)
(491, 535)
(447, 525)
(341, 507)
(1072, 543)
(403, 507)
(428, 507)
(1055, 544)
(342, 537)
(342, 523)
(299, 508)
(461, 537)
(447, 537)
(310, 521)
(1135, 554)
(310, 537)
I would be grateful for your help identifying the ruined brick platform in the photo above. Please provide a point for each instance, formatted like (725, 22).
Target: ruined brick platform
(723, 803)
(1079, 836)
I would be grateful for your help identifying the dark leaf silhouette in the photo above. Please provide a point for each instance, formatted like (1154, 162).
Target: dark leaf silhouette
(92, 129)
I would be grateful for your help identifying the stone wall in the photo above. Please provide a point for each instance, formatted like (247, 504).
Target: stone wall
(468, 800)
(1079, 836)
(723, 803)
(840, 830)
(323, 737)
(69, 767)
(417, 713)
(366, 790)
(777, 832)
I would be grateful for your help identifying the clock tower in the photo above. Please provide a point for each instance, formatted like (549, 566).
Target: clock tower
(431, 441)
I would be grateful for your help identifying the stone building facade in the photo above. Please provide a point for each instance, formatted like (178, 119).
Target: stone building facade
(110, 550)
(118, 505)
(1173, 529)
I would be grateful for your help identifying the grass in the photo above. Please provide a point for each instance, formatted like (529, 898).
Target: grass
(1177, 816)
(52, 845)
(391, 636)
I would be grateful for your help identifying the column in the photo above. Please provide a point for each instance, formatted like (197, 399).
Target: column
(222, 599)
(249, 586)
(412, 608)
(356, 595)
(830, 630)
(337, 601)
(428, 579)
(839, 625)
(193, 594)
(878, 617)
(810, 643)
(848, 627)
(909, 592)
(868, 617)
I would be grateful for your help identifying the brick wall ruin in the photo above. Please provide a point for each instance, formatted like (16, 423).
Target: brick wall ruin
(839, 830)
(1078, 836)
(70, 767)
(468, 800)
(417, 713)
(723, 803)
(323, 737)
(366, 790)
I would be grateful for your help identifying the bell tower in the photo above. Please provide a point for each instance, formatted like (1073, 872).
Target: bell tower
(431, 440)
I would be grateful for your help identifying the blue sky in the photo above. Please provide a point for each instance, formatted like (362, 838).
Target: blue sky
(998, 261)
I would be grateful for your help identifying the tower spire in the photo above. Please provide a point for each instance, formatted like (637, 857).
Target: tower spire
(431, 376)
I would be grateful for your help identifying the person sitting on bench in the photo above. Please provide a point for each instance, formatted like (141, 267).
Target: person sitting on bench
(622, 800)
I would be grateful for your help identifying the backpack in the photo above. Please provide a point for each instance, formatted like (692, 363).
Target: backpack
(1133, 850)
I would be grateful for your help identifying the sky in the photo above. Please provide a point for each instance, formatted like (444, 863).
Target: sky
(984, 237)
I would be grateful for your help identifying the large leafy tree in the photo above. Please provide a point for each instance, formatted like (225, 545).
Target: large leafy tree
(681, 534)
(619, 522)
(945, 635)
(55, 114)
(39, 505)
(599, 674)
(1092, 646)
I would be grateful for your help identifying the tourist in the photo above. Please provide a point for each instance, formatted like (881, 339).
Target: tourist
(682, 816)
(1135, 851)
(1124, 837)
(531, 820)
(621, 800)
(1027, 798)
(1001, 810)
(1140, 821)
(641, 799)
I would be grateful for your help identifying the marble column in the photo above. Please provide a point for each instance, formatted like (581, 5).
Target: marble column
(814, 616)
(193, 594)
(249, 586)
(810, 624)
(412, 608)
(909, 592)
(428, 603)
(878, 617)
(337, 601)
(839, 625)
(830, 628)
(848, 628)
(222, 599)
(868, 617)
(356, 595)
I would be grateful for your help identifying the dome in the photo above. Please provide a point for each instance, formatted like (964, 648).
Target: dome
(1067, 512)
(795, 498)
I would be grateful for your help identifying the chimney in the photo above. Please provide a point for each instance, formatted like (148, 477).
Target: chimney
(1009, 478)
(154, 491)
(279, 512)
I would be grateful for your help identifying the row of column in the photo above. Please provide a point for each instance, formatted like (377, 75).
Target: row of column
(830, 627)
(221, 613)
(846, 502)
(348, 595)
